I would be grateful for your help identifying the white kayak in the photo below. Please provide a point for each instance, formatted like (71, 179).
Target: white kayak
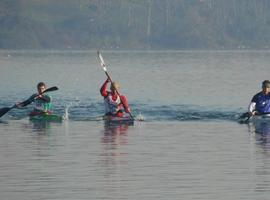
(110, 120)
(260, 118)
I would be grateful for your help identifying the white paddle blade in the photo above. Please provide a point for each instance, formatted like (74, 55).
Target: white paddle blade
(102, 62)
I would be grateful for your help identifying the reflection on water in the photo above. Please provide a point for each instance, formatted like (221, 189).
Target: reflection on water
(113, 159)
(115, 135)
(41, 127)
(38, 127)
(261, 130)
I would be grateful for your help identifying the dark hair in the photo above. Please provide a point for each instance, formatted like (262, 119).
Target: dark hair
(266, 83)
(40, 84)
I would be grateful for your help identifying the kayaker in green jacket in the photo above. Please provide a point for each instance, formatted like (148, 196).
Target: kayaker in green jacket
(42, 101)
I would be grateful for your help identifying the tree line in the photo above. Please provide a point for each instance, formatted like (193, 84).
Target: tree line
(134, 24)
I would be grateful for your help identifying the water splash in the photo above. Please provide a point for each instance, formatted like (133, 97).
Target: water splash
(140, 117)
(66, 114)
(93, 109)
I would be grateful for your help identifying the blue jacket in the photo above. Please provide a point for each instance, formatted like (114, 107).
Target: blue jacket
(262, 102)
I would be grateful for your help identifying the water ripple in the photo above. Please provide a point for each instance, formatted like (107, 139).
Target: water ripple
(91, 110)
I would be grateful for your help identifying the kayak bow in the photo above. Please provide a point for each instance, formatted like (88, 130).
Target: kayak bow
(46, 117)
(110, 120)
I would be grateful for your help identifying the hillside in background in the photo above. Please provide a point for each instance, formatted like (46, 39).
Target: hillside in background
(134, 24)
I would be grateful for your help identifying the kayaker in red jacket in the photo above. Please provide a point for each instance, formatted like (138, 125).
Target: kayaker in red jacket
(115, 105)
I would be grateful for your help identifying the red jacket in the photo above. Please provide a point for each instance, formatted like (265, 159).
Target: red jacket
(118, 102)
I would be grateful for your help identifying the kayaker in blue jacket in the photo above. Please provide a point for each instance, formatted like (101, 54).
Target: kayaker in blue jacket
(42, 101)
(260, 102)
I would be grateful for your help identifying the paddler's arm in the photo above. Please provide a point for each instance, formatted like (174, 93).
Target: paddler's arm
(125, 104)
(45, 98)
(26, 102)
(103, 89)
(251, 108)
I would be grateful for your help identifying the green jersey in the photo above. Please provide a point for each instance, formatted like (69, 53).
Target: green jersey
(42, 104)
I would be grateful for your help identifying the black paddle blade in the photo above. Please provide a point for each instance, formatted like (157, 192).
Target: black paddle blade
(51, 89)
(4, 110)
(244, 115)
(244, 118)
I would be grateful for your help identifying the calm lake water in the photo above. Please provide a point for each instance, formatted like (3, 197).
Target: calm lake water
(190, 145)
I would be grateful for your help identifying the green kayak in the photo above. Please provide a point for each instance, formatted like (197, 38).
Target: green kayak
(46, 117)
